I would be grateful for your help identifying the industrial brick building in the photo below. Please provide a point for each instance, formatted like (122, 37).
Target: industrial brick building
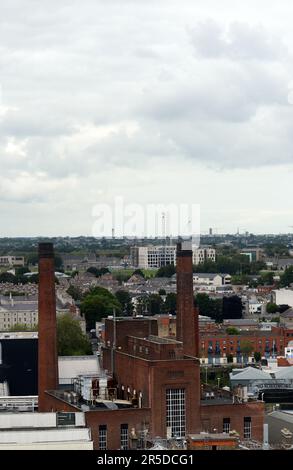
(150, 386)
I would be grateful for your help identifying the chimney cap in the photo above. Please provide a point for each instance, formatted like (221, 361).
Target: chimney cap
(46, 250)
(184, 249)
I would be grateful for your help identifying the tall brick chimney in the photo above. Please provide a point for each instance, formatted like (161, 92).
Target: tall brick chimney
(47, 342)
(187, 314)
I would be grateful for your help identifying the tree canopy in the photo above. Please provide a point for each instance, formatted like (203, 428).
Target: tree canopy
(166, 271)
(209, 307)
(170, 303)
(98, 272)
(70, 338)
(219, 309)
(124, 298)
(98, 303)
(138, 272)
(272, 307)
(287, 277)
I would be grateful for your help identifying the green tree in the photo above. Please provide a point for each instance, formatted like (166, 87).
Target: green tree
(138, 272)
(75, 292)
(97, 304)
(58, 262)
(229, 358)
(271, 307)
(231, 330)
(287, 277)
(155, 303)
(34, 279)
(162, 292)
(207, 267)
(124, 298)
(70, 338)
(7, 277)
(240, 279)
(142, 305)
(276, 249)
(21, 270)
(170, 303)
(257, 356)
(98, 272)
(246, 348)
(210, 307)
(166, 271)
(268, 278)
(276, 319)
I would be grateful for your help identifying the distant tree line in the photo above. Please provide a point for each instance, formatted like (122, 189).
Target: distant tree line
(235, 264)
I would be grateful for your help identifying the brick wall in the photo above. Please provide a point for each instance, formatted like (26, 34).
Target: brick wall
(212, 418)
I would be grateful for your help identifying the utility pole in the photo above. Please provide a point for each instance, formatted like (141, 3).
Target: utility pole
(114, 343)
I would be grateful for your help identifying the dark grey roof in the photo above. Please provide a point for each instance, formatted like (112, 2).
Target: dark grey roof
(287, 314)
(23, 306)
(240, 321)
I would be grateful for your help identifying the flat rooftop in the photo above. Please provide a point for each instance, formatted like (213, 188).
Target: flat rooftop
(139, 318)
(96, 405)
(19, 335)
(211, 437)
(217, 401)
(158, 340)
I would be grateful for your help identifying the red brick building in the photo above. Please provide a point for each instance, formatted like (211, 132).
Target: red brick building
(219, 344)
(154, 382)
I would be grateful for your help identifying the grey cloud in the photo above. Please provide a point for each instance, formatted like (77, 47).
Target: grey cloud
(230, 94)
(72, 68)
(240, 41)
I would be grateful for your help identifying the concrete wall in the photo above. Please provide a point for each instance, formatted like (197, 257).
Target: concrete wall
(29, 436)
(76, 445)
(34, 420)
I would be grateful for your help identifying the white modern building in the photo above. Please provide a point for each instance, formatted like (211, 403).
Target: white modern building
(202, 254)
(11, 261)
(283, 297)
(44, 431)
(152, 256)
(146, 257)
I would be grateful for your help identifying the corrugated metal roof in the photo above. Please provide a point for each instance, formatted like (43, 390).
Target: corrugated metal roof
(250, 373)
(284, 373)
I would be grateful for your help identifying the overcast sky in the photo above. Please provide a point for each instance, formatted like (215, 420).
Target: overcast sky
(157, 101)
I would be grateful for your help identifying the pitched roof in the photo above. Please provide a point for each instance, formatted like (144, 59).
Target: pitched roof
(250, 373)
(284, 373)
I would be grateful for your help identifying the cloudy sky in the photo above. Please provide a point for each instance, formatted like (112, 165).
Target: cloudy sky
(157, 101)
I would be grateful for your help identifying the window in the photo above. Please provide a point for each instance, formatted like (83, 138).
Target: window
(247, 428)
(175, 401)
(124, 436)
(103, 437)
(226, 425)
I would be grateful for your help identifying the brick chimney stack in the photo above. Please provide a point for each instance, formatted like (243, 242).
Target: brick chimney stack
(47, 342)
(187, 314)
